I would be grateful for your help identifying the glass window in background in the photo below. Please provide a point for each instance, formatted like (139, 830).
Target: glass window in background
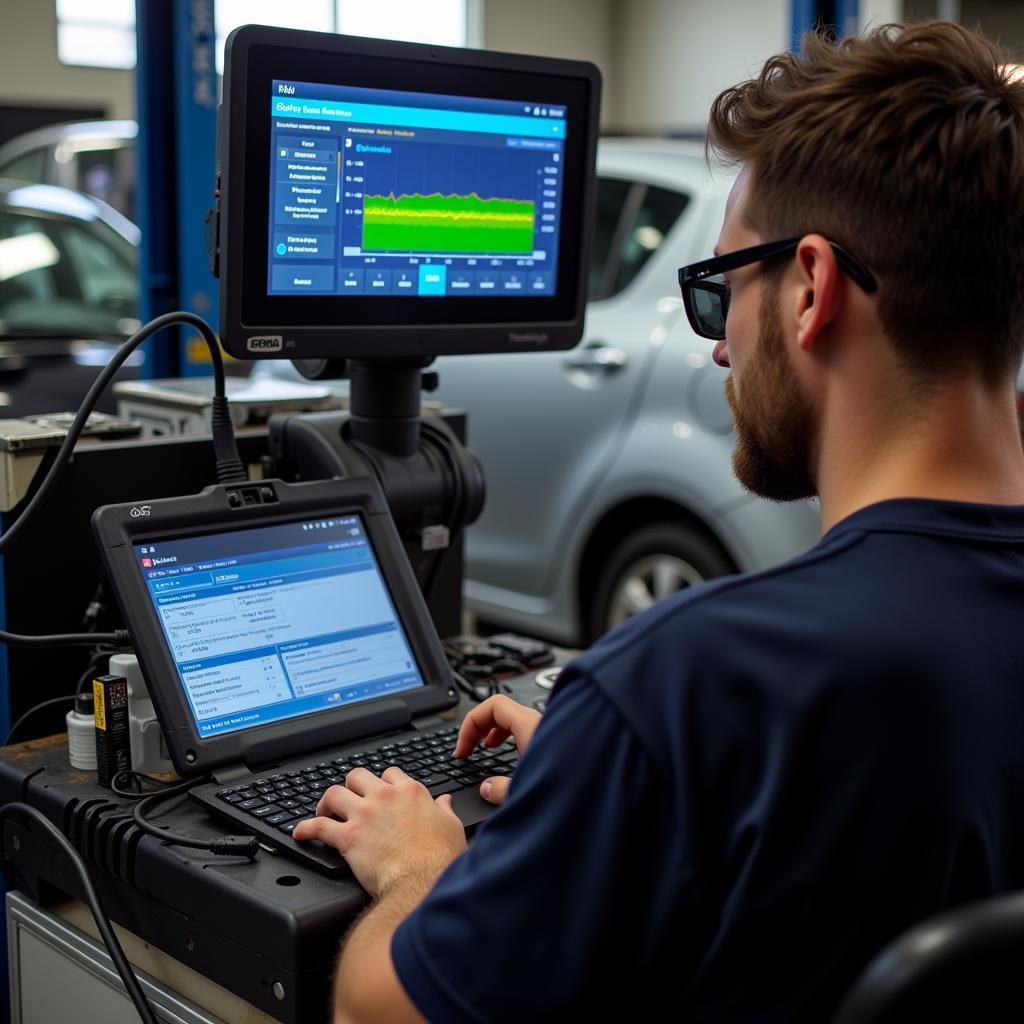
(101, 33)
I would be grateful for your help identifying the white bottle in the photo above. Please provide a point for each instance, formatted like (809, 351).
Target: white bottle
(81, 721)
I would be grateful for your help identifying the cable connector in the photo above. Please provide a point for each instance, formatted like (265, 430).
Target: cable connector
(225, 450)
(235, 846)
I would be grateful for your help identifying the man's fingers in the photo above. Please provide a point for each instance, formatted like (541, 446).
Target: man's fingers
(500, 714)
(495, 737)
(362, 781)
(393, 774)
(445, 803)
(325, 829)
(336, 802)
(495, 790)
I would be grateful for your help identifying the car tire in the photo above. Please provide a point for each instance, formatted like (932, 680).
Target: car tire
(651, 563)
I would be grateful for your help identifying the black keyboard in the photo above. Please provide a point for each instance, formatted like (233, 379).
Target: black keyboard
(280, 800)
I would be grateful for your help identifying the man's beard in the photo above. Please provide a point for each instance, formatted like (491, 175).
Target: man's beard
(775, 454)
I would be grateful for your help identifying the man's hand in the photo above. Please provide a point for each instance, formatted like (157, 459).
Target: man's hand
(389, 829)
(493, 722)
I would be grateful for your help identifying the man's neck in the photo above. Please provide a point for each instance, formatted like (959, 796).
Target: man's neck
(961, 443)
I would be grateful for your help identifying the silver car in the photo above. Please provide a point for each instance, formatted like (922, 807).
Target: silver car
(95, 157)
(68, 297)
(608, 468)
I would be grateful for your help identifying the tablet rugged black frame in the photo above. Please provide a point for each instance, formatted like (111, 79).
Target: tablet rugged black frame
(223, 507)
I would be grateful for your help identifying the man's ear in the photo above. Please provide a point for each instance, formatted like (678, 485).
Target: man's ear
(818, 289)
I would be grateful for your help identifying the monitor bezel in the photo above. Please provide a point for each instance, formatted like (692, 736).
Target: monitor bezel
(119, 528)
(388, 326)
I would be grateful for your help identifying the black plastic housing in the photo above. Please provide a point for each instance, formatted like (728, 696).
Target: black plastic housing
(319, 326)
(266, 503)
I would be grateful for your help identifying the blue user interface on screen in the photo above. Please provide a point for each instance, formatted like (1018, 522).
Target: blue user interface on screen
(379, 192)
(278, 621)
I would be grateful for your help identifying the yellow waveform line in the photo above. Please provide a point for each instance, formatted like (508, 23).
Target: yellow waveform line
(451, 195)
(372, 207)
(386, 211)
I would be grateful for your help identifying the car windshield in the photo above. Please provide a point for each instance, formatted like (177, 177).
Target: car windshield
(65, 278)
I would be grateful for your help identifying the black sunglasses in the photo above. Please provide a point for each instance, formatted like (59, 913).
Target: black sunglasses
(706, 295)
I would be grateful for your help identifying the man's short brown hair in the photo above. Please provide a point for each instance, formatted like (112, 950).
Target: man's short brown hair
(907, 147)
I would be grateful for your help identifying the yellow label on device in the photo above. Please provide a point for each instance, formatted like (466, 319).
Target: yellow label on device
(97, 699)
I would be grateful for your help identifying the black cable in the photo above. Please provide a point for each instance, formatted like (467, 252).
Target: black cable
(508, 665)
(229, 465)
(131, 983)
(157, 785)
(31, 711)
(223, 846)
(467, 688)
(119, 638)
(94, 609)
(97, 656)
(85, 677)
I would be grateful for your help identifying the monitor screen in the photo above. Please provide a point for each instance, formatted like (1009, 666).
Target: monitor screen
(377, 192)
(393, 199)
(273, 622)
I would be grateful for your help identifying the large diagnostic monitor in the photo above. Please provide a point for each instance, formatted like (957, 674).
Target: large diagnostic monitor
(393, 199)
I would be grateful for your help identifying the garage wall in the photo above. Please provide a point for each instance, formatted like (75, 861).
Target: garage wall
(576, 29)
(674, 56)
(30, 71)
(999, 19)
(663, 61)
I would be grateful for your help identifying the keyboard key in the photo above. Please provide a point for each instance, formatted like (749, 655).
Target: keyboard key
(433, 779)
(231, 798)
(265, 811)
(280, 818)
(251, 804)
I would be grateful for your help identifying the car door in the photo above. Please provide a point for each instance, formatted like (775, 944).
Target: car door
(545, 424)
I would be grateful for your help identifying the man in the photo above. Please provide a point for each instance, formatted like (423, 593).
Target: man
(740, 796)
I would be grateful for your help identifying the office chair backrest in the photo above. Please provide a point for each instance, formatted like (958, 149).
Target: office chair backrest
(965, 965)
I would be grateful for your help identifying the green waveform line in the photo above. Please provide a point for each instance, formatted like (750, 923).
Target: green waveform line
(452, 223)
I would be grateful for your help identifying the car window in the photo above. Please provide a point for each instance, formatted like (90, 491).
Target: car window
(611, 200)
(657, 213)
(108, 174)
(27, 167)
(63, 277)
(105, 278)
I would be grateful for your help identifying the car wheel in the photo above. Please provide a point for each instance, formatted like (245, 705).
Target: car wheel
(652, 563)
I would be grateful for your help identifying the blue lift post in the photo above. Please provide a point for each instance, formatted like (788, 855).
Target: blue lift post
(176, 99)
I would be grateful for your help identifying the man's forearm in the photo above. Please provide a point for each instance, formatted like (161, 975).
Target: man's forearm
(366, 983)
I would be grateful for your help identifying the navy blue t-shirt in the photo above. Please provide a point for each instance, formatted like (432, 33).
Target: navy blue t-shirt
(740, 796)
